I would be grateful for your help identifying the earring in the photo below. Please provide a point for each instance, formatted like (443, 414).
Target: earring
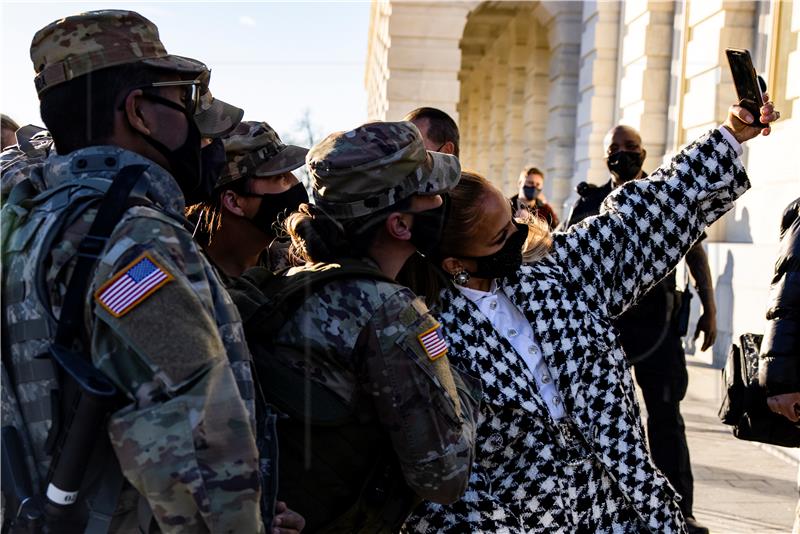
(461, 278)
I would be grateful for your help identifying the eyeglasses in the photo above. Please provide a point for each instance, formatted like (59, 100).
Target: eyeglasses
(191, 97)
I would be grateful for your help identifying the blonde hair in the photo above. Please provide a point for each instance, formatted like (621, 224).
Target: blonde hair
(539, 241)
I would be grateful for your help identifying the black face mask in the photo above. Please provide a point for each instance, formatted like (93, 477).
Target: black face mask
(184, 161)
(625, 164)
(212, 162)
(530, 192)
(505, 261)
(276, 205)
(426, 234)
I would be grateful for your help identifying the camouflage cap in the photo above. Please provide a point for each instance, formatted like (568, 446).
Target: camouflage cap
(374, 166)
(254, 149)
(80, 44)
(215, 118)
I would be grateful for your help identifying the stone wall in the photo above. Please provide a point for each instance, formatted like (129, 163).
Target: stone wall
(413, 57)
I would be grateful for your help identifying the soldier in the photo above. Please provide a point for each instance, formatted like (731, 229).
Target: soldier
(376, 418)
(256, 186)
(649, 330)
(253, 186)
(156, 322)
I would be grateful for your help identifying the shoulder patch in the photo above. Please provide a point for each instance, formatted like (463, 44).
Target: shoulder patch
(132, 285)
(433, 342)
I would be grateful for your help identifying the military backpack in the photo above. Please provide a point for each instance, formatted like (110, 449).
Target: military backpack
(45, 366)
(376, 498)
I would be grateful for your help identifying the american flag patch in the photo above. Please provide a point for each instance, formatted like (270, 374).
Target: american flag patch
(433, 342)
(140, 279)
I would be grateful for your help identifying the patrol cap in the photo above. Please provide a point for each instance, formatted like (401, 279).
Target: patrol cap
(367, 169)
(80, 44)
(254, 149)
(215, 118)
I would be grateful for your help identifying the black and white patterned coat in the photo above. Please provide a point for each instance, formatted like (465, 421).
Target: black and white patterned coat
(523, 481)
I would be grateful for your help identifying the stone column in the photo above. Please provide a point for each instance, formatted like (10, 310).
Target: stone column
(534, 112)
(712, 27)
(597, 84)
(484, 72)
(424, 58)
(472, 133)
(646, 62)
(377, 68)
(464, 118)
(513, 156)
(563, 20)
(498, 58)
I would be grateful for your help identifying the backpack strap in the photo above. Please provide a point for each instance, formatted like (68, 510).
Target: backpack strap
(108, 215)
(103, 502)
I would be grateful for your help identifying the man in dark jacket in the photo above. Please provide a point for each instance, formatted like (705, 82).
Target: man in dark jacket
(779, 365)
(649, 329)
(779, 360)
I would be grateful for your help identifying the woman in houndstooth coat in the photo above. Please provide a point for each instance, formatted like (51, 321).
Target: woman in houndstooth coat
(560, 446)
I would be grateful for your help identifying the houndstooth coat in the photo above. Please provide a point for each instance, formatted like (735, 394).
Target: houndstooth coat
(525, 478)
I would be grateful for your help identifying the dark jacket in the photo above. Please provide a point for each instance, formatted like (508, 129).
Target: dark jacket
(779, 365)
(590, 197)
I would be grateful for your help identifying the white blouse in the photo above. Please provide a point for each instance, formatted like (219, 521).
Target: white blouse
(509, 322)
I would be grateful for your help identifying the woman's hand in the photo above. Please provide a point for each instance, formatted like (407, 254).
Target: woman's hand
(739, 120)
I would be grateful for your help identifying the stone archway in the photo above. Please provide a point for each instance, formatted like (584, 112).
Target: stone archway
(508, 73)
(519, 91)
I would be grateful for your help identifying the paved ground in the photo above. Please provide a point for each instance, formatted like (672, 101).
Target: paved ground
(740, 486)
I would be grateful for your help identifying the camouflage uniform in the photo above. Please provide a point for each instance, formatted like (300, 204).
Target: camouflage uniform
(358, 342)
(185, 438)
(17, 162)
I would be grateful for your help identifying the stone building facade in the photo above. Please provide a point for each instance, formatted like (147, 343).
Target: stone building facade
(541, 82)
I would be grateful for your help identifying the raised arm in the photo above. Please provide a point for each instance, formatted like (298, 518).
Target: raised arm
(646, 226)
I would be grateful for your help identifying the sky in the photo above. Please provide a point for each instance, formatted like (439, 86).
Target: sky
(273, 59)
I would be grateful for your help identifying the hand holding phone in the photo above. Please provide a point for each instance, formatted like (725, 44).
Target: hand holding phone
(750, 87)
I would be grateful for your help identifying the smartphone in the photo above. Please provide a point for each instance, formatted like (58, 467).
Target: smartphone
(749, 86)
